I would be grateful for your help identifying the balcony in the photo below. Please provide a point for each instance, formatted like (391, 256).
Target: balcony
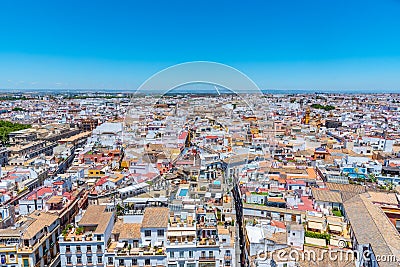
(72, 235)
(178, 223)
(207, 225)
(143, 251)
(176, 238)
(207, 258)
(181, 243)
(55, 261)
(208, 242)
(228, 257)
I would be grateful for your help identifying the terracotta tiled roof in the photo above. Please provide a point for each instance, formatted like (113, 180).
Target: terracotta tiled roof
(346, 187)
(96, 215)
(155, 217)
(127, 230)
(40, 220)
(383, 197)
(371, 226)
(326, 195)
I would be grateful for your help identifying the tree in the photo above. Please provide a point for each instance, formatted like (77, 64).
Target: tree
(18, 109)
(7, 127)
(372, 178)
(120, 210)
(326, 108)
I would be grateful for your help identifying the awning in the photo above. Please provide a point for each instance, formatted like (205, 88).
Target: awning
(146, 243)
(181, 233)
(335, 228)
(315, 225)
(189, 233)
(120, 245)
(174, 233)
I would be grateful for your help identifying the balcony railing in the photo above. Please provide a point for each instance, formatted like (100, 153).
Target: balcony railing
(178, 242)
(207, 242)
(139, 252)
(207, 258)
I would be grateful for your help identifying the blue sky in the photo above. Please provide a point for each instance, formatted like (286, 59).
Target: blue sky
(285, 44)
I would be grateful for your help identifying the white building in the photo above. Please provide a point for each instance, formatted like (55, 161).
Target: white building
(141, 243)
(261, 239)
(85, 244)
(295, 235)
(107, 134)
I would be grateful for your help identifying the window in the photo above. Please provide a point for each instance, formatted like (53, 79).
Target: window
(190, 254)
(398, 225)
(147, 262)
(26, 262)
(69, 260)
(181, 264)
(110, 260)
(294, 234)
(191, 265)
(89, 249)
(78, 259)
(99, 238)
(134, 261)
(98, 247)
(99, 259)
(121, 262)
(211, 254)
(181, 254)
(160, 232)
(147, 233)
(171, 254)
(78, 248)
(68, 248)
(89, 259)
(228, 253)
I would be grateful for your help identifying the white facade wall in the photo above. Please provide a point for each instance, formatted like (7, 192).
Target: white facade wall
(154, 238)
(295, 238)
